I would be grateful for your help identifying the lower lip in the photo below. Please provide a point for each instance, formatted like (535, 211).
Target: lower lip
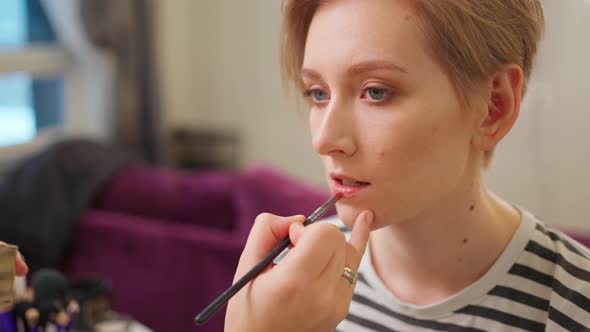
(346, 191)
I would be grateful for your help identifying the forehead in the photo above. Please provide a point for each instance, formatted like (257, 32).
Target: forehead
(356, 31)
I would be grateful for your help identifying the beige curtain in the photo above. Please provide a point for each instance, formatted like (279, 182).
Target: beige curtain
(125, 28)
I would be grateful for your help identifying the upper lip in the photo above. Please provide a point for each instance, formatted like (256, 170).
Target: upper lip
(338, 176)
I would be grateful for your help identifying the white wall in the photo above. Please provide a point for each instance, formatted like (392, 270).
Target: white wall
(544, 163)
(220, 69)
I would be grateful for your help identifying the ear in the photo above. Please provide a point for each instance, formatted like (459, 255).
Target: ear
(503, 106)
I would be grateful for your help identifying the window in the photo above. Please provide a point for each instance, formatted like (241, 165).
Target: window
(32, 73)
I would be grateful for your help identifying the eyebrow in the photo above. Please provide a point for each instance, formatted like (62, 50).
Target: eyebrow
(310, 73)
(369, 66)
(359, 68)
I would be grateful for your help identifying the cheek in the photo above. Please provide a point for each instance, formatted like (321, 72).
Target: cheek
(401, 141)
(434, 130)
(416, 151)
(435, 138)
(441, 144)
(380, 148)
(384, 152)
(445, 151)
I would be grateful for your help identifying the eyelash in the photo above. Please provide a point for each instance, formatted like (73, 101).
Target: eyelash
(308, 94)
(389, 93)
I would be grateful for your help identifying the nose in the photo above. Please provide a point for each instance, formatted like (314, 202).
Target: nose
(333, 130)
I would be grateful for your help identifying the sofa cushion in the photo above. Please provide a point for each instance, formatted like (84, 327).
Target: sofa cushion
(203, 198)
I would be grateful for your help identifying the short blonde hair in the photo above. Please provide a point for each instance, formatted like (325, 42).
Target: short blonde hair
(470, 39)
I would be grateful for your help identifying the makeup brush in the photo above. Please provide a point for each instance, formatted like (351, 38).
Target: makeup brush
(214, 306)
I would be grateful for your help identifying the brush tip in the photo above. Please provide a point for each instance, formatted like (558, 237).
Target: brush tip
(200, 319)
(338, 196)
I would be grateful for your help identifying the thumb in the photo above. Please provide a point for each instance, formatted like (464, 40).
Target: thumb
(360, 236)
(268, 231)
(21, 267)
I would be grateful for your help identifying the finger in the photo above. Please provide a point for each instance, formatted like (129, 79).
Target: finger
(21, 268)
(268, 231)
(359, 238)
(333, 271)
(314, 247)
(295, 232)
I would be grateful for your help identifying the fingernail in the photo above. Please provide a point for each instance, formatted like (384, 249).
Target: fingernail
(297, 226)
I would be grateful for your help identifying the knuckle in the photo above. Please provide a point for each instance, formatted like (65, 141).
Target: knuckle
(290, 288)
(325, 300)
(263, 219)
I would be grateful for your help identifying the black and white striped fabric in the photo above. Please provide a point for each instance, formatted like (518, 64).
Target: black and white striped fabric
(541, 282)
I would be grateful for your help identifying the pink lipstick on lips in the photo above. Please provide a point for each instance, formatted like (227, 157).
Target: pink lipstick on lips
(346, 186)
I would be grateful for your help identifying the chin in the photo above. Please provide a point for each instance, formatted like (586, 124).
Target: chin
(349, 213)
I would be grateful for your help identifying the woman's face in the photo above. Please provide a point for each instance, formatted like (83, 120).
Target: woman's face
(384, 117)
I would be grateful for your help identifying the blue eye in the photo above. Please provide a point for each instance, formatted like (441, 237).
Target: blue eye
(377, 93)
(317, 95)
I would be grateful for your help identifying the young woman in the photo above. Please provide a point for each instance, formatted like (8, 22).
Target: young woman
(408, 99)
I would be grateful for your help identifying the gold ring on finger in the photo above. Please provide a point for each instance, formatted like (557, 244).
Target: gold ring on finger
(349, 274)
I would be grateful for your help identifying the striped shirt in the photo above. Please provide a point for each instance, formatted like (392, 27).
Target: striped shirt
(541, 282)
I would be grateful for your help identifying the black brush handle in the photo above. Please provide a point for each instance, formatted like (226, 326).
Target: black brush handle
(222, 299)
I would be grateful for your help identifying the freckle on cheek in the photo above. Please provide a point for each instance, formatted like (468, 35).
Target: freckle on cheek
(381, 153)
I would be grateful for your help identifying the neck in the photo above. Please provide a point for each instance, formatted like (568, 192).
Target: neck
(442, 251)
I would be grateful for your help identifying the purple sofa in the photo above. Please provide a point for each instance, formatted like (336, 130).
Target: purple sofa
(169, 241)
